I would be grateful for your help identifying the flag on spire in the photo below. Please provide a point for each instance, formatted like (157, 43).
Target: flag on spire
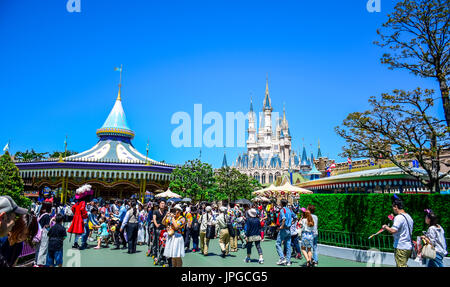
(6, 148)
(349, 161)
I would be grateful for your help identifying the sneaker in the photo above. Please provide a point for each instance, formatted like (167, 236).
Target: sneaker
(261, 261)
(247, 260)
(288, 263)
(281, 262)
(96, 247)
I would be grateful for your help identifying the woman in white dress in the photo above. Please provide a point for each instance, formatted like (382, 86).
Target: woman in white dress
(141, 225)
(175, 243)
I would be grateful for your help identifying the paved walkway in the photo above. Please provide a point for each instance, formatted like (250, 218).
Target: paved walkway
(106, 257)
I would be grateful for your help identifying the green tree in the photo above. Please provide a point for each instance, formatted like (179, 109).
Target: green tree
(234, 185)
(56, 154)
(194, 179)
(29, 155)
(417, 33)
(11, 182)
(399, 124)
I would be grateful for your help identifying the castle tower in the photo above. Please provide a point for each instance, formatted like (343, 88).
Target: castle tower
(251, 142)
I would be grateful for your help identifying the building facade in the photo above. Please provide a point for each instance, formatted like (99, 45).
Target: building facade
(270, 152)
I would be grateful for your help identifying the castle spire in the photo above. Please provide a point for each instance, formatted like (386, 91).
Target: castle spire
(224, 161)
(267, 105)
(319, 152)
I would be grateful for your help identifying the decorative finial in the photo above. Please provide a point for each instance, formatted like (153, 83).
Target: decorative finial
(120, 80)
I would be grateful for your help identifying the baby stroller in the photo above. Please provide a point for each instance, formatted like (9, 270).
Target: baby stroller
(161, 259)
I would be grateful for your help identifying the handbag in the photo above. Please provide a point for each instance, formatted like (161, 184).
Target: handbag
(210, 229)
(428, 251)
(414, 245)
(254, 238)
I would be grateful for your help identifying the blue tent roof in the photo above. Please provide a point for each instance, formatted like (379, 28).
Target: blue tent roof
(116, 122)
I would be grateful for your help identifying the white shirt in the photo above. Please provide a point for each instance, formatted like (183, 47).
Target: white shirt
(437, 238)
(316, 222)
(305, 227)
(402, 238)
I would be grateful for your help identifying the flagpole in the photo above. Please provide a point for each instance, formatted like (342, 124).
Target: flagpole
(146, 157)
(65, 147)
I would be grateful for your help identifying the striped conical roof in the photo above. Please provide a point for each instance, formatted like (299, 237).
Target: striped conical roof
(116, 123)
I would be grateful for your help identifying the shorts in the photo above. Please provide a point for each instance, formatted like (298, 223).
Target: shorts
(401, 257)
(54, 257)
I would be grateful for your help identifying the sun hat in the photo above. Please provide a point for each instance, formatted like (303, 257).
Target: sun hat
(303, 209)
(177, 206)
(252, 212)
(208, 208)
(223, 208)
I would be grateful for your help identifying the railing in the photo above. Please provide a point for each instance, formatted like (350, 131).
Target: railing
(382, 242)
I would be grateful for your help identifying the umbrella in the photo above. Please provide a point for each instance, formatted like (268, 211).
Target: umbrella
(186, 200)
(174, 199)
(287, 188)
(264, 190)
(243, 201)
(168, 194)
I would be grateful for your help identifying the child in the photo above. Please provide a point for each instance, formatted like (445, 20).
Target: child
(56, 236)
(102, 233)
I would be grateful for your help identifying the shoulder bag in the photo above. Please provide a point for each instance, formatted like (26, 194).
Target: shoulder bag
(414, 246)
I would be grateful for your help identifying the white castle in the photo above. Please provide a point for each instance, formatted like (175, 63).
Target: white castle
(269, 153)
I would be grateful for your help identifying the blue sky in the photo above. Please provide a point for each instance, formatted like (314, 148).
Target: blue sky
(57, 76)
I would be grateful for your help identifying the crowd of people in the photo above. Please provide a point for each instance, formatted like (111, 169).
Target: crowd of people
(168, 228)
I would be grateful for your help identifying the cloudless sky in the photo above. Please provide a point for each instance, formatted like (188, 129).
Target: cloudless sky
(57, 73)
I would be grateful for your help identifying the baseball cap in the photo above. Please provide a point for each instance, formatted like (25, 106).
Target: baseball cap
(7, 205)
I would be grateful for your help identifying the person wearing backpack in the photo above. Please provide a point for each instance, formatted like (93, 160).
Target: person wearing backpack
(195, 229)
(402, 231)
(284, 222)
(205, 220)
(42, 235)
(224, 235)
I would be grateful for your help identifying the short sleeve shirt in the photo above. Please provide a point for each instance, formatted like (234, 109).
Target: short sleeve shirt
(402, 238)
(286, 214)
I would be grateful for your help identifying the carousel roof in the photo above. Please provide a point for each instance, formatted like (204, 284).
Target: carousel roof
(115, 141)
(116, 123)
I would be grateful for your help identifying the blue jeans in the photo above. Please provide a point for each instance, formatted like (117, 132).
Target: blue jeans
(284, 235)
(315, 256)
(85, 235)
(54, 257)
(436, 262)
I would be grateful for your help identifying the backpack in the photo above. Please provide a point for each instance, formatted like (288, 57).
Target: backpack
(37, 238)
(195, 224)
(279, 215)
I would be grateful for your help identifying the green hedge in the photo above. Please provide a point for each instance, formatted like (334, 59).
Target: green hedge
(366, 213)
